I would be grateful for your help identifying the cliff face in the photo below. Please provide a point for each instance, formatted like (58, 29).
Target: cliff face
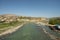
(8, 18)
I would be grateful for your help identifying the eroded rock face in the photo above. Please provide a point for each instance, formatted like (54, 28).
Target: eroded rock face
(8, 18)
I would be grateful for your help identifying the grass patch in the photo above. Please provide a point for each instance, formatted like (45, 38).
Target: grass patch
(3, 25)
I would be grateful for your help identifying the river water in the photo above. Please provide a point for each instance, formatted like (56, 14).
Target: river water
(29, 31)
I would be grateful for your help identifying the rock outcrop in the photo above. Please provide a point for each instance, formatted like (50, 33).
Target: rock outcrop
(7, 18)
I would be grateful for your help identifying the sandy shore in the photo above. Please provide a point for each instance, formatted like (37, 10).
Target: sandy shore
(11, 30)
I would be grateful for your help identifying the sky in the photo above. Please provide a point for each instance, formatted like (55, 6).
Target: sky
(34, 8)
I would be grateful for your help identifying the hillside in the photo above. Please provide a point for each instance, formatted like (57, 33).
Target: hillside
(8, 18)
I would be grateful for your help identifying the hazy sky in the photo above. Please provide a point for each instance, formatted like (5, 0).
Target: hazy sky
(38, 8)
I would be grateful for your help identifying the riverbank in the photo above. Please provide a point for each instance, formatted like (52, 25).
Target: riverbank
(11, 30)
(49, 33)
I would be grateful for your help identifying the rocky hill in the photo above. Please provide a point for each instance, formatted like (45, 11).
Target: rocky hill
(8, 18)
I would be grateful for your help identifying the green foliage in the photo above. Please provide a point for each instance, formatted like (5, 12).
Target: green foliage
(54, 21)
(14, 23)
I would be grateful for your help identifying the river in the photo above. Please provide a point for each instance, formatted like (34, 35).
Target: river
(29, 31)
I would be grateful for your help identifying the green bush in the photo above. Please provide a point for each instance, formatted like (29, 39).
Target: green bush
(54, 21)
